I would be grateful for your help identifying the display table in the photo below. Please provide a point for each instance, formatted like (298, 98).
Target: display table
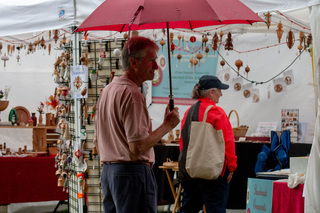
(247, 157)
(29, 179)
(285, 199)
(163, 152)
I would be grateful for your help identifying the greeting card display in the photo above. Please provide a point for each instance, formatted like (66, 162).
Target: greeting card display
(290, 121)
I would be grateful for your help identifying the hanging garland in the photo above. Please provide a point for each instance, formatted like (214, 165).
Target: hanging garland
(263, 82)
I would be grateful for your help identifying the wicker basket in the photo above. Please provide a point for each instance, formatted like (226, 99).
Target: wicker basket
(238, 131)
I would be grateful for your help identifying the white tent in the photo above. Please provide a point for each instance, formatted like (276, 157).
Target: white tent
(27, 20)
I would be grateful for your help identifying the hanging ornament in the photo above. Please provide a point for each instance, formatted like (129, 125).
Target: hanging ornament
(172, 47)
(30, 48)
(195, 62)
(268, 19)
(187, 44)
(221, 35)
(290, 39)
(215, 41)
(302, 41)
(12, 49)
(309, 40)
(179, 56)
(125, 36)
(204, 41)
(171, 38)
(64, 39)
(18, 58)
(56, 35)
(18, 48)
(229, 45)
(222, 63)
(4, 58)
(207, 49)
(247, 69)
(179, 38)
(9, 48)
(49, 48)
(199, 57)
(279, 31)
(239, 64)
(193, 40)
(162, 42)
(191, 63)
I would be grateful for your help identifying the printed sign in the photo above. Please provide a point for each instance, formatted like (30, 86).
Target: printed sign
(259, 196)
(186, 69)
(79, 81)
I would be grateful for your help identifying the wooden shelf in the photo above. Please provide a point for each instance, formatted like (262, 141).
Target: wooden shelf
(42, 135)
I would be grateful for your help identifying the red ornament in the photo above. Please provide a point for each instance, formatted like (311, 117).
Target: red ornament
(193, 39)
(172, 47)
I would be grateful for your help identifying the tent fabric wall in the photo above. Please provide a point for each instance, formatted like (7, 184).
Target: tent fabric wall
(30, 16)
(44, 15)
(312, 186)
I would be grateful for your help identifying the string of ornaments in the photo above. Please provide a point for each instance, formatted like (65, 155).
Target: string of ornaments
(304, 43)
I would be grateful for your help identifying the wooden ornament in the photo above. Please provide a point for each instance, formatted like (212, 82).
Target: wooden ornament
(247, 69)
(179, 38)
(302, 41)
(238, 64)
(204, 40)
(207, 50)
(179, 56)
(268, 19)
(290, 39)
(237, 86)
(221, 35)
(162, 42)
(229, 45)
(222, 62)
(279, 31)
(246, 93)
(309, 40)
(61, 181)
(199, 57)
(215, 41)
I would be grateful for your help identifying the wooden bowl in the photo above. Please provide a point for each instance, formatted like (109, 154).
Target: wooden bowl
(3, 105)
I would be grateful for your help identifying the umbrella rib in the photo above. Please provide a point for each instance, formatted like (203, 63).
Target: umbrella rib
(122, 28)
(190, 25)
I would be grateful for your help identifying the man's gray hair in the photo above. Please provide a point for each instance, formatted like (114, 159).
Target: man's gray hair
(136, 48)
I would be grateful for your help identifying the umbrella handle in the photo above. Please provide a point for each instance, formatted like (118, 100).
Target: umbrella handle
(171, 104)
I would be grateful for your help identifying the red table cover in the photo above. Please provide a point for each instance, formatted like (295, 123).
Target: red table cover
(287, 200)
(29, 179)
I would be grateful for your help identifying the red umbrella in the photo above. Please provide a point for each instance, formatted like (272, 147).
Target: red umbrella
(124, 15)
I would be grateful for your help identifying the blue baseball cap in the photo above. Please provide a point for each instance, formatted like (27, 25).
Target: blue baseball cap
(209, 82)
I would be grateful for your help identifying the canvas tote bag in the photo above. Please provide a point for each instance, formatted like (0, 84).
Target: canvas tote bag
(206, 150)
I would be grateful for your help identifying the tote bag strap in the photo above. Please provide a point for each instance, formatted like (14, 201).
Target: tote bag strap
(206, 113)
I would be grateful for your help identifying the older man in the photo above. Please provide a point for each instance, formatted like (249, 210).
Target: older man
(124, 134)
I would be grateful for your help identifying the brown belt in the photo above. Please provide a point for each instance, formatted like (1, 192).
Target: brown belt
(116, 162)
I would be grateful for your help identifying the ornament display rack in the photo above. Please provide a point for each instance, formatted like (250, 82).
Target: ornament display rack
(72, 187)
(100, 56)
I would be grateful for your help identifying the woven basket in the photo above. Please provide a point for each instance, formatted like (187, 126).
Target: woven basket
(238, 131)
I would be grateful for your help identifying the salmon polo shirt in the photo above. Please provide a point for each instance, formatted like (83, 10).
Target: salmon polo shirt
(122, 117)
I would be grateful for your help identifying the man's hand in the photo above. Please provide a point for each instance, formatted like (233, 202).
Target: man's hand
(171, 118)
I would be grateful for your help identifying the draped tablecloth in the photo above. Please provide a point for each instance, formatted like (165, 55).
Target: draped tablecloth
(29, 179)
(285, 199)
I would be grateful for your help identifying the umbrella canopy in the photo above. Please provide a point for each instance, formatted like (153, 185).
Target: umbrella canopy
(116, 15)
(124, 15)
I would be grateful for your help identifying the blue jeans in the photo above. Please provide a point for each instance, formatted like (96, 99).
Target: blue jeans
(213, 193)
(128, 187)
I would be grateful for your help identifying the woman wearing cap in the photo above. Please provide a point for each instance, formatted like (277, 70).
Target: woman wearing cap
(212, 193)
